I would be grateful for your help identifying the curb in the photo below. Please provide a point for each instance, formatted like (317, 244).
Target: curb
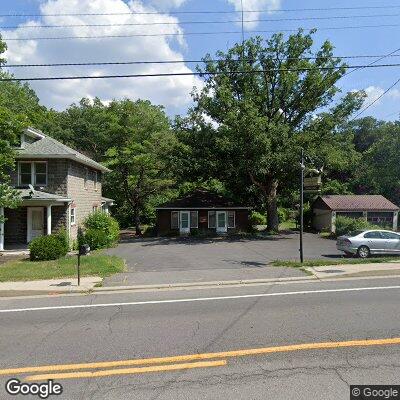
(201, 284)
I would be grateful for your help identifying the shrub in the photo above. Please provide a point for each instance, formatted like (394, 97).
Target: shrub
(49, 247)
(345, 225)
(283, 214)
(257, 218)
(96, 239)
(101, 231)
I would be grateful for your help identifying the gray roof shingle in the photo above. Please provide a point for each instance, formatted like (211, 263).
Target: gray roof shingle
(52, 148)
(354, 202)
(28, 194)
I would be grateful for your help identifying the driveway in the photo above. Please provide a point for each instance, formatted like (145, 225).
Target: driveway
(173, 260)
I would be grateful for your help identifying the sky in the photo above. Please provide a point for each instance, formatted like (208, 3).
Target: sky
(363, 31)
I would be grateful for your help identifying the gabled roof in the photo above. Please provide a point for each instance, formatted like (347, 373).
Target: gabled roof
(47, 147)
(201, 199)
(358, 203)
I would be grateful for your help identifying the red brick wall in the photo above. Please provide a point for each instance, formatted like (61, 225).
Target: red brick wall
(164, 221)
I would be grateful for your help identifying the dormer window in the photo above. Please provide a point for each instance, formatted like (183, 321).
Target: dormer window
(32, 173)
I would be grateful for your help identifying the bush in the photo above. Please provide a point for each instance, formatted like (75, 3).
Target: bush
(49, 247)
(257, 218)
(101, 231)
(283, 214)
(345, 225)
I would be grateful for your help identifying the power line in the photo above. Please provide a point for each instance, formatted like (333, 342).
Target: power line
(95, 63)
(376, 100)
(13, 79)
(197, 33)
(199, 22)
(203, 11)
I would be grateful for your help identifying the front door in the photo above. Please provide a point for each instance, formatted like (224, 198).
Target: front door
(35, 222)
(222, 226)
(184, 226)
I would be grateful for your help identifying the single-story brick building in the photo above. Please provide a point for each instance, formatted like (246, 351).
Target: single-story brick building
(204, 211)
(374, 208)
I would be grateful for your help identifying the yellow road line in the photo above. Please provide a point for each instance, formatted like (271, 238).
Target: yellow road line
(126, 371)
(204, 356)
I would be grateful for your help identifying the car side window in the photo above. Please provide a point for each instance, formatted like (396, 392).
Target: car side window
(373, 235)
(390, 235)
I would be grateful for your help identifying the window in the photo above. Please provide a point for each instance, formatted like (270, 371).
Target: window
(73, 216)
(40, 174)
(25, 174)
(231, 219)
(390, 235)
(33, 173)
(95, 180)
(174, 219)
(211, 219)
(373, 235)
(194, 219)
(85, 180)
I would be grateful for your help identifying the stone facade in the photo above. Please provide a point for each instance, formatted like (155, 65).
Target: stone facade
(85, 196)
(65, 178)
(57, 173)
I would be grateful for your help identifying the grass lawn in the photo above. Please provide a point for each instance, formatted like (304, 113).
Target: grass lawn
(96, 264)
(323, 262)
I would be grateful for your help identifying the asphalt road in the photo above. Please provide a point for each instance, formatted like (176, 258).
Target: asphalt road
(169, 260)
(128, 326)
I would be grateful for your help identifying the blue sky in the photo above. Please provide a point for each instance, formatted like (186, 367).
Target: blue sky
(174, 93)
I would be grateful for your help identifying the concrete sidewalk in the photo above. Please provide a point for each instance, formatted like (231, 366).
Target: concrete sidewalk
(354, 270)
(49, 286)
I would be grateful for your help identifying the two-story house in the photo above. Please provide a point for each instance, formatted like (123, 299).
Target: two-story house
(59, 187)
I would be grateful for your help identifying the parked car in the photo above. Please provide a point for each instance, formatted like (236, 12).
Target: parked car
(365, 243)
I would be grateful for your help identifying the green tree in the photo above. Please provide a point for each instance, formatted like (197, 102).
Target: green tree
(261, 119)
(141, 156)
(10, 128)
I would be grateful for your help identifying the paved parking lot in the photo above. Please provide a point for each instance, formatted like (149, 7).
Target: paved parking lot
(168, 260)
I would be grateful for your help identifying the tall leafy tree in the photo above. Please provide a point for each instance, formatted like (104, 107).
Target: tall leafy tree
(263, 98)
(140, 158)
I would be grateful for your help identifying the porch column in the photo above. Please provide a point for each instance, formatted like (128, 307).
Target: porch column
(333, 222)
(49, 220)
(395, 220)
(1, 229)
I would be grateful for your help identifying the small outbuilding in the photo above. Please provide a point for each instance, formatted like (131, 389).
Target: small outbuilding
(374, 208)
(202, 210)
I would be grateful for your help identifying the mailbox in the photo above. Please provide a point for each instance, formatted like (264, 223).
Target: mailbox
(84, 250)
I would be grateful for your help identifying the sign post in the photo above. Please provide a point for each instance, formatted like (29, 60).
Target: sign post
(302, 206)
(84, 250)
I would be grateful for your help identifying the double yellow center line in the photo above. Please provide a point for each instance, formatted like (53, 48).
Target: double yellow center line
(174, 363)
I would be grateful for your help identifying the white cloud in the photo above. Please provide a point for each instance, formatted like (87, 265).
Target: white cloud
(374, 92)
(254, 5)
(167, 4)
(173, 92)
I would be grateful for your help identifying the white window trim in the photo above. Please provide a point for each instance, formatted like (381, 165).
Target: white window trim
(179, 219)
(208, 220)
(190, 217)
(33, 172)
(73, 216)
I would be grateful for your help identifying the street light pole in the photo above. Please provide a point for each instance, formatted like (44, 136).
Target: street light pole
(302, 206)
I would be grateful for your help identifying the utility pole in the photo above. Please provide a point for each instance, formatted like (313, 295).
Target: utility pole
(302, 205)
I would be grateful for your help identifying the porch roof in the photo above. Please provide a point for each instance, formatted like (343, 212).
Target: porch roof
(28, 195)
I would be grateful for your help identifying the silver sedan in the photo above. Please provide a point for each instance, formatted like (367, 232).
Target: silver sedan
(365, 243)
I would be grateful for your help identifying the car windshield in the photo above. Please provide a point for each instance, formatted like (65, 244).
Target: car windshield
(354, 233)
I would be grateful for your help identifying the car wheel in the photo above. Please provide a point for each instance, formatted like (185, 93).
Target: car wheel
(363, 252)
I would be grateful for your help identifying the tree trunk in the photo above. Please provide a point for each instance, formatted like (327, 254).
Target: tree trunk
(136, 215)
(270, 191)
